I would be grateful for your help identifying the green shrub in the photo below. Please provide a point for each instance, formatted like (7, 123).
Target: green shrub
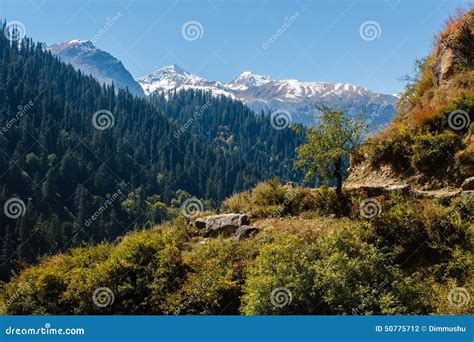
(433, 154)
(239, 203)
(212, 285)
(268, 193)
(45, 288)
(336, 274)
(394, 150)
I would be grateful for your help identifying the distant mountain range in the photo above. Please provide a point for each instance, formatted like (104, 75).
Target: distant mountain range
(83, 55)
(298, 98)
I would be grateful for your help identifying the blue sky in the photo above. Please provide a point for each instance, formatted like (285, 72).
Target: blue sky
(321, 40)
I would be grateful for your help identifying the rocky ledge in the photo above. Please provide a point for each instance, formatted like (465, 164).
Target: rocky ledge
(236, 225)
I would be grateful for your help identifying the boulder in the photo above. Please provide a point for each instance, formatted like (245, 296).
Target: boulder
(200, 223)
(468, 184)
(226, 224)
(246, 232)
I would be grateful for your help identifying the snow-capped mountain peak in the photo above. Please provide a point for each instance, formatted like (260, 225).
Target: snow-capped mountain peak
(73, 48)
(169, 77)
(84, 56)
(247, 79)
(299, 98)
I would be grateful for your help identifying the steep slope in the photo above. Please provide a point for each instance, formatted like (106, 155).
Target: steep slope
(230, 126)
(430, 144)
(173, 77)
(262, 93)
(81, 162)
(84, 56)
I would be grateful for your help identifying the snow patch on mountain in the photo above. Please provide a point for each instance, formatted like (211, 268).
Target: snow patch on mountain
(84, 56)
(260, 92)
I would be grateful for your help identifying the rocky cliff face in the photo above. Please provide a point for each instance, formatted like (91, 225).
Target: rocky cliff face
(84, 56)
(453, 50)
(430, 143)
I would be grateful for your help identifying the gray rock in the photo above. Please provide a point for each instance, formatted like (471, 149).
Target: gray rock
(246, 232)
(200, 223)
(226, 224)
(468, 184)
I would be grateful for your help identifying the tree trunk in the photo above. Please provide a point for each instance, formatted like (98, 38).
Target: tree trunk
(338, 175)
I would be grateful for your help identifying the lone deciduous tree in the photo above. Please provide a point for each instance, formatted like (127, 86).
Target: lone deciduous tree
(335, 137)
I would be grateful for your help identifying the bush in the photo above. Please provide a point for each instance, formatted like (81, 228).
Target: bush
(272, 199)
(425, 231)
(406, 260)
(268, 193)
(212, 285)
(46, 288)
(394, 149)
(433, 154)
(239, 203)
(336, 274)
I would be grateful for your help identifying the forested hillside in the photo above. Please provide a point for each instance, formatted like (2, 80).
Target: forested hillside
(264, 142)
(374, 248)
(71, 147)
(429, 145)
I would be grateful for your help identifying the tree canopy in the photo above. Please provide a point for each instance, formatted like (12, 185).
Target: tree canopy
(327, 144)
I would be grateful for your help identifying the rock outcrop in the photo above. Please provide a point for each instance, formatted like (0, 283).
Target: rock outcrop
(453, 50)
(245, 232)
(468, 184)
(225, 224)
